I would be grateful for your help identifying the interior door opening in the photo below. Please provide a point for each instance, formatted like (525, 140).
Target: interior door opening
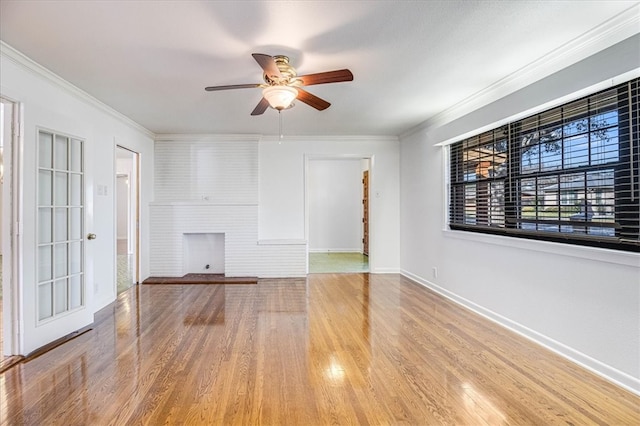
(338, 211)
(127, 213)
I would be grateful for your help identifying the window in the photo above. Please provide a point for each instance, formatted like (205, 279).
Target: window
(569, 174)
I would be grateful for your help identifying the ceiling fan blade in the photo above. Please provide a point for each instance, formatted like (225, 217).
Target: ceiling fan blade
(232, 86)
(326, 77)
(268, 64)
(261, 107)
(312, 100)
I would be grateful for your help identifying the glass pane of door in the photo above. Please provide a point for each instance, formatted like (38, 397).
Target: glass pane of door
(45, 150)
(61, 279)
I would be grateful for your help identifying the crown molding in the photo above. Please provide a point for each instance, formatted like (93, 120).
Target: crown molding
(620, 27)
(213, 137)
(206, 137)
(331, 138)
(29, 64)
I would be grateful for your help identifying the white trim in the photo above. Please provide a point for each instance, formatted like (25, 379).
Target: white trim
(26, 62)
(605, 35)
(18, 234)
(12, 223)
(332, 138)
(205, 137)
(446, 193)
(18, 231)
(215, 137)
(607, 372)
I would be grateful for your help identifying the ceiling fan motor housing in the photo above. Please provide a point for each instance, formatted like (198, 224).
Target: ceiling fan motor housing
(288, 73)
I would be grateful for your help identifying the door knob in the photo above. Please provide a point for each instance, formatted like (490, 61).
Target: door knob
(91, 236)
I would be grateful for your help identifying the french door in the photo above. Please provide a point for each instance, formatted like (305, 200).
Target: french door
(61, 293)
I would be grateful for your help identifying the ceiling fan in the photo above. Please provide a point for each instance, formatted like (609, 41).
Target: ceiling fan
(282, 84)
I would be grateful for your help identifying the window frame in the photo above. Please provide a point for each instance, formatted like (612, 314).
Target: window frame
(627, 144)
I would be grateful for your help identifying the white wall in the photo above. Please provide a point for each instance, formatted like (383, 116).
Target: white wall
(582, 302)
(254, 190)
(335, 205)
(205, 186)
(51, 103)
(282, 206)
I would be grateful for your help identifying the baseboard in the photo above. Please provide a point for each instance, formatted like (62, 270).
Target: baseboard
(50, 346)
(619, 378)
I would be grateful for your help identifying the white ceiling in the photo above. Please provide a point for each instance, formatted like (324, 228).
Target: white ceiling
(150, 60)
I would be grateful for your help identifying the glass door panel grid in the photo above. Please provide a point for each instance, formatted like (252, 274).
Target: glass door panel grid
(60, 272)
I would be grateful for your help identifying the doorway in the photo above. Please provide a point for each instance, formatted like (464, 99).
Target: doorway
(337, 218)
(127, 214)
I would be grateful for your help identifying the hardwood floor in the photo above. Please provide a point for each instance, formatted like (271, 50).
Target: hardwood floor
(331, 349)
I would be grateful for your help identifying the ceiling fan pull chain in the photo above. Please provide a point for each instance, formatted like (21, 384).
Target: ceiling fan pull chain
(280, 126)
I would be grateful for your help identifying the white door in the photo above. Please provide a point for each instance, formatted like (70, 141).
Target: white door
(62, 304)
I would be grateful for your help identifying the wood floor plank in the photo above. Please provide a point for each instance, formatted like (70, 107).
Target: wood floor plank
(330, 349)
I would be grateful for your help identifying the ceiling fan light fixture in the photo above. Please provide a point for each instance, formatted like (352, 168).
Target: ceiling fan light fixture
(280, 97)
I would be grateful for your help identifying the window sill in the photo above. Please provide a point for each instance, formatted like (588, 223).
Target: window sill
(582, 252)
